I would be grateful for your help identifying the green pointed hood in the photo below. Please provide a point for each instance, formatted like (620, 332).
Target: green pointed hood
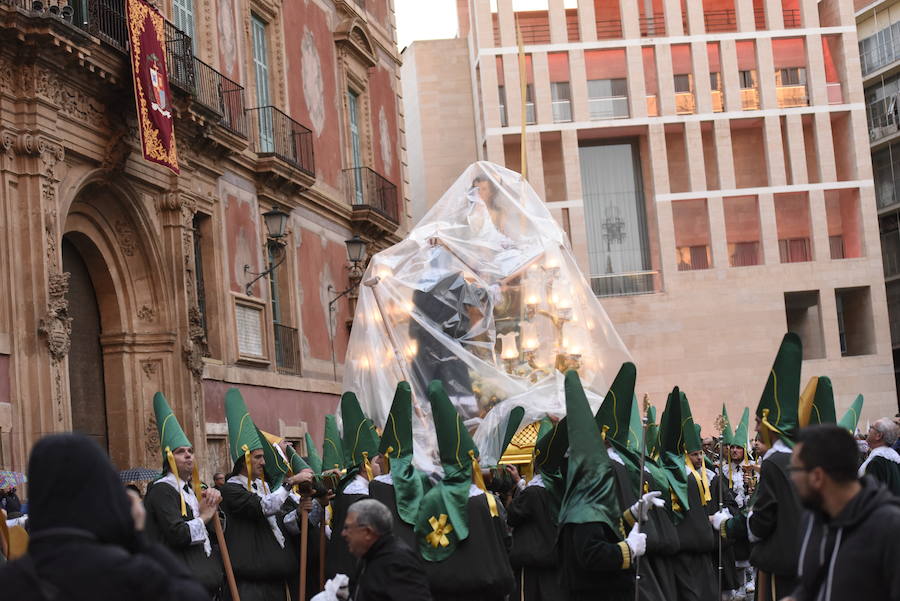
(635, 427)
(672, 449)
(822, 409)
(243, 437)
(513, 421)
(332, 446)
(652, 435)
(550, 450)
(312, 457)
(442, 521)
(590, 494)
(397, 438)
(297, 463)
(360, 437)
(614, 415)
(778, 408)
(397, 447)
(171, 436)
(741, 435)
(276, 468)
(851, 419)
(727, 433)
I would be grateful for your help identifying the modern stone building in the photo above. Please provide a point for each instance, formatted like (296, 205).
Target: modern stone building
(119, 279)
(878, 26)
(709, 163)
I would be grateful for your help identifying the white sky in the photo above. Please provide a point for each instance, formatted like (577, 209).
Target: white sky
(436, 19)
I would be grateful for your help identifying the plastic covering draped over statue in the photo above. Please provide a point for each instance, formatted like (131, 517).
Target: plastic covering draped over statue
(485, 295)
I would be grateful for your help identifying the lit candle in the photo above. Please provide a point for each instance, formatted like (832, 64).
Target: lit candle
(532, 292)
(383, 271)
(508, 346)
(529, 336)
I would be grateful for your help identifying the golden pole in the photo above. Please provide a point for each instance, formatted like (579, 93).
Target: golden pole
(523, 86)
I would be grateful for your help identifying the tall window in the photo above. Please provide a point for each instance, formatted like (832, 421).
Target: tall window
(791, 76)
(607, 98)
(355, 147)
(748, 79)
(199, 221)
(683, 83)
(615, 219)
(261, 68)
(183, 14)
(530, 116)
(501, 92)
(562, 101)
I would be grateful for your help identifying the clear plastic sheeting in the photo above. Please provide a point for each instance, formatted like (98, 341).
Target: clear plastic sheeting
(485, 295)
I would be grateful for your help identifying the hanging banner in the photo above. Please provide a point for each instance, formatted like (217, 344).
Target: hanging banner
(151, 83)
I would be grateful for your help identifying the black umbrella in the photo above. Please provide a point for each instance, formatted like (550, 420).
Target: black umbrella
(138, 474)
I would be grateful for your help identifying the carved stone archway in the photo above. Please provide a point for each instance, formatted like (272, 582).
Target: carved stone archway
(119, 244)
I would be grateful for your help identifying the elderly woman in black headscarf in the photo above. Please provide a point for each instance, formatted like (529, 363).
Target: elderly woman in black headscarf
(86, 534)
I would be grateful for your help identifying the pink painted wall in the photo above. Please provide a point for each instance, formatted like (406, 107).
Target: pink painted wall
(230, 41)
(604, 10)
(315, 259)
(558, 63)
(741, 219)
(712, 55)
(268, 405)
(746, 55)
(792, 215)
(383, 106)
(789, 52)
(650, 82)
(691, 220)
(605, 64)
(681, 59)
(243, 242)
(314, 98)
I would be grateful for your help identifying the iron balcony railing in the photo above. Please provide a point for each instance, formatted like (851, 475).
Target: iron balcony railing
(222, 95)
(287, 349)
(624, 284)
(276, 134)
(106, 20)
(179, 58)
(366, 187)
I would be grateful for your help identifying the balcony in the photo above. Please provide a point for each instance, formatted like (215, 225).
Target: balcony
(562, 111)
(880, 56)
(612, 107)
(623, 284)
(685, 103)
(882, 126)
(276, 135)
(375, 203)
(718, 101)
(104, 19)
(749, 99)
(792, 96)
(653, 26)
(287, 349)
(609, 29)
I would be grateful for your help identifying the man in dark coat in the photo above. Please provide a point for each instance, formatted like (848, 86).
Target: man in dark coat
(883, 462)
(175, 516)
(773, 524)
(388, 569)
(87, 539)
(850, 548)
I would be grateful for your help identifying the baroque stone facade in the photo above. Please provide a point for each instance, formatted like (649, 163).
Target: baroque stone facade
(119, 279)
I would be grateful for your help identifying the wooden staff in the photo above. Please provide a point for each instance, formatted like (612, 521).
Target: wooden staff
(637, 560)
(304, 539)
(226, 559)
(322, 545)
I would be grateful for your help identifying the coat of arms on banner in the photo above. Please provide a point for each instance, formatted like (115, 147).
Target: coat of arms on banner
(158, 81)
(152, 96)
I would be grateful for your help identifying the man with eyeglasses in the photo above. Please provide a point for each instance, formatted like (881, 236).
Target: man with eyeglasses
(849, 545)
(388, 569)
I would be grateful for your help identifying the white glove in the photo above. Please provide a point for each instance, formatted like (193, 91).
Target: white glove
(719, 518)
(336, 589)
(641, 509)
(636, 541)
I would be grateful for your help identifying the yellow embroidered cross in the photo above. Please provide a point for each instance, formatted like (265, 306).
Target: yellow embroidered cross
(440, 530)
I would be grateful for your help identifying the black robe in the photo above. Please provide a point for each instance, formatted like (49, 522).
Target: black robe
(533, 554)
(261, 566)
(479, 568)
(384, 492)
(776, 522)
(338, 559)
(695, 576)
(651, 590)
(730, 578)
(887, 472)
(595, 564)
(312, 550)
(390, 571)
(83, 544)
(167, 526)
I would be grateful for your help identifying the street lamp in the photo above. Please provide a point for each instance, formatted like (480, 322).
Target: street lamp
(276, 226)
(356, 254)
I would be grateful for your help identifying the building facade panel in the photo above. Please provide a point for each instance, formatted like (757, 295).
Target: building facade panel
(747, 121)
